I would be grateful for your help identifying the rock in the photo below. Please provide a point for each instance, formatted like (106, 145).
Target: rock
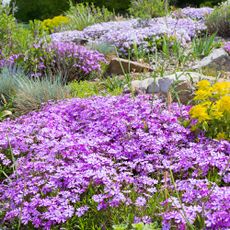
(119, 66)
(218, 60)
(182, 84)
(149, 85)
(80, 41)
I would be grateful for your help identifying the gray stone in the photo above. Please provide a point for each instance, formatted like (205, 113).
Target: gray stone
(119, 66)
(148, 85)
(218, 60)
(182, 83)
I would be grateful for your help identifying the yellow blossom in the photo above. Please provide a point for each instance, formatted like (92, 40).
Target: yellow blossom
(221, 89)
(204, 84)
(202, 94)
(223, 104)
(199, 112)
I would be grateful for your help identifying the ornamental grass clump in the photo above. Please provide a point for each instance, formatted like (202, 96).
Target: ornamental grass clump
(107, 161)
(212, 111)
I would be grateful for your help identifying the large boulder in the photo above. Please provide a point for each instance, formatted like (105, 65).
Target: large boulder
(218, 60)
(119, 66)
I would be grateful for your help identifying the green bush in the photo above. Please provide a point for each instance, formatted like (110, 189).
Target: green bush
(148, 8)
(83, 15)
(219, 21)
(39, 9)
(83, 89)
(119, 6)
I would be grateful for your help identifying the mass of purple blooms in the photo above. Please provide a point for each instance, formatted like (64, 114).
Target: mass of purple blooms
(73, 60)
(76, 59)
(193, 13)
(8, 61)
(117, 145)
(124, 34)
(227, 47)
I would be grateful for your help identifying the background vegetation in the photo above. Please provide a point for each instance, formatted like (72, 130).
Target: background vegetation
(42, 9)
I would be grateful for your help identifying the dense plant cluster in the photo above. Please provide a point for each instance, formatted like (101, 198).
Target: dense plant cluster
(218, 21)
(55, 24)
(81, 158)
(148, 8)
(83, 15)
(144, 33)
(66, 58)
(213, 109)
(193, 13)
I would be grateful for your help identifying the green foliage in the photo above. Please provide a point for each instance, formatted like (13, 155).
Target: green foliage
(83, 89)
(148, 8)
(119, 6)
(219, 21)
(197, 3)
(16, 37)
(202, 46)
(7, 28)
(83, 15)
(39, 9)
(104, 48)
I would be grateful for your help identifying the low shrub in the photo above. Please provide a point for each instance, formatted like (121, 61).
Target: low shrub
(212, 113)
(83, 89)
(83, 15)
(219, 21)
(68, 59)
(148, 8)
(55, 24)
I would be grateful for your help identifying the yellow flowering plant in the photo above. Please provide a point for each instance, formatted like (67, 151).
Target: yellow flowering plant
(212, 109)
(55, 24)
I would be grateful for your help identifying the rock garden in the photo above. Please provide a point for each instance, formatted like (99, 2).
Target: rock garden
(112, 121)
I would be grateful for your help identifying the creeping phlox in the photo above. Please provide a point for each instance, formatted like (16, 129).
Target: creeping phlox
(227, 47)
(213, 109)
(82, 157)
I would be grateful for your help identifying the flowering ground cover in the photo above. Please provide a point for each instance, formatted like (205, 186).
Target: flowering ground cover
(124, 34)
(108, 160)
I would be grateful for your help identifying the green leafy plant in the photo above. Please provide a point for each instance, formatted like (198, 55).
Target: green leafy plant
(219, 21)
(83, 15)
(202, 46)
(83, 89)
(148, 8)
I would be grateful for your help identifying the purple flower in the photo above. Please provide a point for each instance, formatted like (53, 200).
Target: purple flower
(97, 151)
(227, 47)
(140, 201)
(82, 210)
